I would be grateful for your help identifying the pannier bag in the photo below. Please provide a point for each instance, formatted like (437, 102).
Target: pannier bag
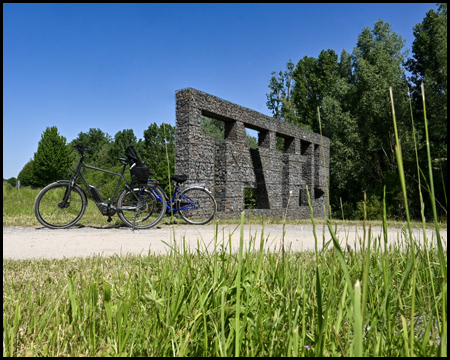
(139, 172)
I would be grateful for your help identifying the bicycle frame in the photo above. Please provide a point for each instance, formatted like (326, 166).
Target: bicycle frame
(172, 201)
(107, 209)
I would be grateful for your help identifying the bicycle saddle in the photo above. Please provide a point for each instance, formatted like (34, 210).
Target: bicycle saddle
(179, 178)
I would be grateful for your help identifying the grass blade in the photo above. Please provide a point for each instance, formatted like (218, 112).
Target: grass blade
(358, 323)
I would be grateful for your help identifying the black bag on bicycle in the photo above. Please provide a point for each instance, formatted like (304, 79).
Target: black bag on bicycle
(139, 172)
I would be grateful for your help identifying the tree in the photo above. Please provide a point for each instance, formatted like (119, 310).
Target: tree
(213, 127)
(429, 61)
(377, 60)
(428, 65)
(280, 100)
(345, 68)
(26, 175)
(315, 79)
(97, 141)
(327, 83)
(122, 140)
(341, 126)
(50, 160)
(158, 152)
(11, 181)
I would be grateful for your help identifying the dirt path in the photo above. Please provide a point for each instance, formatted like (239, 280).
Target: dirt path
(40, 242)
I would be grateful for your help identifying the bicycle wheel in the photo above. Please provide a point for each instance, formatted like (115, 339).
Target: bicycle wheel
(142, 207)
(196, 205)
(51, 212)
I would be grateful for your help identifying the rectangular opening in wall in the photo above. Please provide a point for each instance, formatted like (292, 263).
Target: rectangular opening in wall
(304, 147)
(250, 201)
(262, 197)
(252, 137)
(318, 165)
(264, 138)
(285, 143)
(280, 143)
(303, 197)
(318, 193)
(213, 127)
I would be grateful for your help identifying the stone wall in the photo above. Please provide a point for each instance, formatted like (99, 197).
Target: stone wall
(228, 166)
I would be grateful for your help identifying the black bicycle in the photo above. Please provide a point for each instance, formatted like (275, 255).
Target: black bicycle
(63, 203)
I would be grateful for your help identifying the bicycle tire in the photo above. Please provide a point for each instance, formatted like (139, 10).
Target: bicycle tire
(201, 205)
(48, 206)
(151, 210)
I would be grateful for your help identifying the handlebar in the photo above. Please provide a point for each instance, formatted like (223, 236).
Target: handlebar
(82, 149)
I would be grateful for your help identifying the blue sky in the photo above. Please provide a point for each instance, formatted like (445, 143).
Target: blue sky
(117, 66)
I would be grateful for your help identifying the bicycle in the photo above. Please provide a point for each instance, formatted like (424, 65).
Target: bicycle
(195, 204)
(62, 204)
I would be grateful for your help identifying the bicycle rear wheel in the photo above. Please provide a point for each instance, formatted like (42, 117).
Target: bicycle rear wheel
(196, 205)
(50, 210)
(142, 207)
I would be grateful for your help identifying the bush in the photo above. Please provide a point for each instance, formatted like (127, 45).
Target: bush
(11, 181)
(374, 209)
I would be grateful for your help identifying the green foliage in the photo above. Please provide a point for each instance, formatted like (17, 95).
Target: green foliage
(428, 65)
(315, 79)
(11, 181)
(279, 143)
(250, 198)
(99, 143)
(157, 150)
(122, 140)
(213, 127)
(373, 208)
(252, 141)
(26, 175)
(50, 160)
(378, 59)
(216, 129)
(280, 100)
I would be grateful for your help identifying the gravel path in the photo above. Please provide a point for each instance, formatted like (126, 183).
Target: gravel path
(40, 242)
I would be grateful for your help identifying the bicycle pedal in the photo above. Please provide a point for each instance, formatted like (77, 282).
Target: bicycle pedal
(109, 219)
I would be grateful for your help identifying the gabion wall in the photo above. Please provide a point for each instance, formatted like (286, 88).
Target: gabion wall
(229, 166)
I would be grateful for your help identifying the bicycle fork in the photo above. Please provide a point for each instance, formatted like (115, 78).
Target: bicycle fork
(65, 203)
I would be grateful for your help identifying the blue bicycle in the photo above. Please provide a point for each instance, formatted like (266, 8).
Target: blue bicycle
(195, 204)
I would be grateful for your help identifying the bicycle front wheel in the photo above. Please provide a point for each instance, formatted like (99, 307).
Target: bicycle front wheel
(142, 207)
(196, 205)
(52, 212)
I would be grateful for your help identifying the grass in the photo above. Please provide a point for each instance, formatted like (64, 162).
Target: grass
(378, 300)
